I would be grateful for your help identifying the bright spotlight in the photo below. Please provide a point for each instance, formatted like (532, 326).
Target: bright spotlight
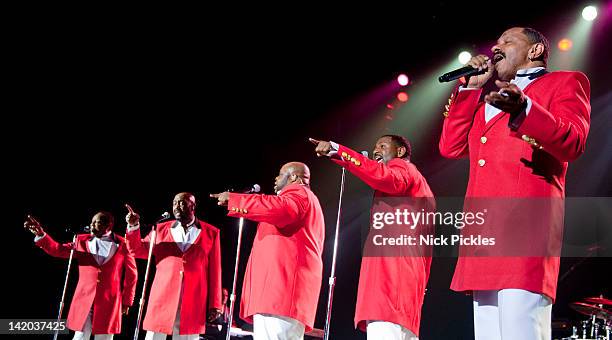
(402, 97)
(403, 80)
(589, 13)
(464, 57)
(565, 44)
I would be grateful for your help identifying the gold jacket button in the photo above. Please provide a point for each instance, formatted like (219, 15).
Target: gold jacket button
(344, 154)
(357, 163)
(481, 162)
(483, 139)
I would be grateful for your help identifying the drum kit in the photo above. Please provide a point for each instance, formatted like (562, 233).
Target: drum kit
(599, 324)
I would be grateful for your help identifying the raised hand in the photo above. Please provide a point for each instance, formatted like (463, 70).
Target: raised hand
(213, 315)
(132, 218)
(33, 226)
(222, 197)
(509, 99)
(322, 148)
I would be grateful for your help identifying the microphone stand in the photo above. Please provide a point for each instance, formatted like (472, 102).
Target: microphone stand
(332, 275)
(232, 296)
(61, 305)
(253, 189)
(146, 278)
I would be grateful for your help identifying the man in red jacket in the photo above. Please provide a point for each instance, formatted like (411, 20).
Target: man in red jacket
(186, 289)
(103, 257)
(519, 142)
(283, 276)
(392, 287)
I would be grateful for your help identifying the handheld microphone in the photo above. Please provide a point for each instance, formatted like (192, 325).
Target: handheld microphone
(466, 71)
(365, 153)
(248, 190)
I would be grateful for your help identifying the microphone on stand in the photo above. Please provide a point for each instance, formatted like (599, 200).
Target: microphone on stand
(164, 217)
(74, 231)
(232, 297)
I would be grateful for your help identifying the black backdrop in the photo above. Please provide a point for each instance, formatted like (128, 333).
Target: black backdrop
(133, 106)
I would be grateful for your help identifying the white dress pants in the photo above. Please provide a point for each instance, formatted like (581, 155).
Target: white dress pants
(276, 327)
(511, 314)
(383, 330)
(86, 333)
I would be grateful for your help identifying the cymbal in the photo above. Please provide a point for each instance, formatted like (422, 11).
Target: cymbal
(599, 300)
(586, 309)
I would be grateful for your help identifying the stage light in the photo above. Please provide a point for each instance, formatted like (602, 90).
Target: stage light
(402, 97)
(589, 13)
(403, 80)
(565, 44)
(464, 57)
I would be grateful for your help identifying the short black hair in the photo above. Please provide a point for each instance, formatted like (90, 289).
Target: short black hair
(401, 141)
(536, 37)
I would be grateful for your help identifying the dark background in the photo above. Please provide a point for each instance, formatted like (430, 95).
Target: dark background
(108, 106)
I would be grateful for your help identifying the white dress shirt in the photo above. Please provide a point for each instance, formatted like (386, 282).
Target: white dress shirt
(184, 239)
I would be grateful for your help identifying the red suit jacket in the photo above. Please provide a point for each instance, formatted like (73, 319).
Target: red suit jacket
(391, 288)
(197, 271)
(99, 285)
(284, 272)
(530, 161)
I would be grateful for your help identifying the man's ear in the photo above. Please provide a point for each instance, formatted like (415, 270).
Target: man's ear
(536, 51)
(401, 152)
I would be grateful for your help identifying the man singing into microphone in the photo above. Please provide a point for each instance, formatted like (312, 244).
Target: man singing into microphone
(186, 289)
(283, 276)
(391, 288)
(519, 142)
(103, 257)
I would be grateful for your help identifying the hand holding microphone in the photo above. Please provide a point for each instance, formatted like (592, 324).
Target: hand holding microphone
(483, 64)
(477, 71)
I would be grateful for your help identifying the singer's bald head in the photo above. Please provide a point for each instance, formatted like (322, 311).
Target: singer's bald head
(101, 223)
(183, 207)
(292, 172)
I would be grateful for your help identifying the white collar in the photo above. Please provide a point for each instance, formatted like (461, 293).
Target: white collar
(529, 70)
(189, 225)
(105, 237)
